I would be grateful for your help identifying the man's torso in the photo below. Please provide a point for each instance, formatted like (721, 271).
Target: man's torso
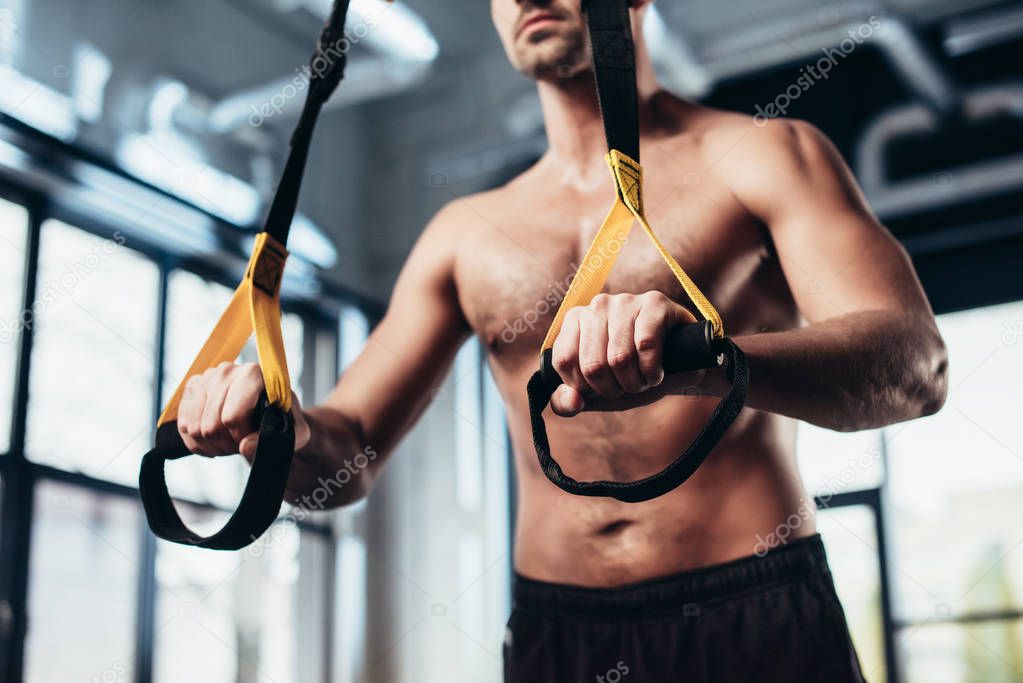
(520, 246)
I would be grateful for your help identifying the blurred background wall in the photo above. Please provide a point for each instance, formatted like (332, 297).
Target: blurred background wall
(139, 143)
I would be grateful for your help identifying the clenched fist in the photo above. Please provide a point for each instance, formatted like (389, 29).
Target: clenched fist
(217, 415)
(612, 349)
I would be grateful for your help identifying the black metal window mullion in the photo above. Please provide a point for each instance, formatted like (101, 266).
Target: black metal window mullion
(19, 484)
(20, 476)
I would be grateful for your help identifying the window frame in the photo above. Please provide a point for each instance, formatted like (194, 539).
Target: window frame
(21, 476)
(895, 626)
(872, 499)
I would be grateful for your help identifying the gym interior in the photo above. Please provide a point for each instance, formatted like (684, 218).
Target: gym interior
(141, 142)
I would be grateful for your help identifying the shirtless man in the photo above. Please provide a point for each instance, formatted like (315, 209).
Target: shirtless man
(820, 297)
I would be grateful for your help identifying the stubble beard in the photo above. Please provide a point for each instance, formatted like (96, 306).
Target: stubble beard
(552, 56)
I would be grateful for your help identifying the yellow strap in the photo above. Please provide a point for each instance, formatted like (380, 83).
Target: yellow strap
(255, 306)
(608, 242)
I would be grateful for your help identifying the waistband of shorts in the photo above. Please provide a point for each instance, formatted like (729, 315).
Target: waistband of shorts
(679, 593)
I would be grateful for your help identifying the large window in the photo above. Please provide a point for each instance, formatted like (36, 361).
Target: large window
(103, 599)
(956, 501)
(921, 520)
(251, 615)
(86, 555)
(94, 354)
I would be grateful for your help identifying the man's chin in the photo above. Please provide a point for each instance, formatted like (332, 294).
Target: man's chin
(551, 60)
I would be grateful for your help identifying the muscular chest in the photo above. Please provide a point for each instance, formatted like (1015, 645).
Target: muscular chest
(514, 270)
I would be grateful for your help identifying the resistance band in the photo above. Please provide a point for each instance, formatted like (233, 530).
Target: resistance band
(687, 347)
(255, 307)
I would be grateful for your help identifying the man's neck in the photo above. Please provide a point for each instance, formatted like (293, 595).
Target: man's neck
(575, 132)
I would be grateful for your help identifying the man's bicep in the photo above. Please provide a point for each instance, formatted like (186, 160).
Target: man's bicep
(836, 256)
(840, 262)
(392, 380)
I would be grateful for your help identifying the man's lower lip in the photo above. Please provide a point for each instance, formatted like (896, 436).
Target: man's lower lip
(540, 23)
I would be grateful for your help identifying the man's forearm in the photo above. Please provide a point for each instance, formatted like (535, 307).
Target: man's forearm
(859, 371)
(335, 468)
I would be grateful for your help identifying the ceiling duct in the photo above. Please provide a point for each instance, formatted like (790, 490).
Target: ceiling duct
(965, 35)
(943, 186)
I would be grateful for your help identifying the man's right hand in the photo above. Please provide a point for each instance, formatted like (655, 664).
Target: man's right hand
(217, 415)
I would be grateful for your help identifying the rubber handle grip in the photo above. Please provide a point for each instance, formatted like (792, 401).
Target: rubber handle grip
(687, 347)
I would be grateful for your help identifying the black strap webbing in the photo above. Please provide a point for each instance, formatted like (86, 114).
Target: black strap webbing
(327, 68)
(614, 67)
(264, 491)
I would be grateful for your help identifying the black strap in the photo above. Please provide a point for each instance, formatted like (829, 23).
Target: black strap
(614, 67)
(326, 69)
(264, 492)
(542, 386)
(260, 503)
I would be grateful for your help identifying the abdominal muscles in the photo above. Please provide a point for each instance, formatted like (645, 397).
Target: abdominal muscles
(734, 506)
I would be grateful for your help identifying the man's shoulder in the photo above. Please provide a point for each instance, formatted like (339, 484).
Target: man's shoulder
(769, 165)
(728, 138)
(743, 150)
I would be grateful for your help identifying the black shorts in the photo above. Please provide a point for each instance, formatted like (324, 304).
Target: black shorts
(763, 619)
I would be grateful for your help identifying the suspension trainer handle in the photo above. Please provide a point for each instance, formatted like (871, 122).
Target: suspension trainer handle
(687, 347)
(260, 502)
(254, 308)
